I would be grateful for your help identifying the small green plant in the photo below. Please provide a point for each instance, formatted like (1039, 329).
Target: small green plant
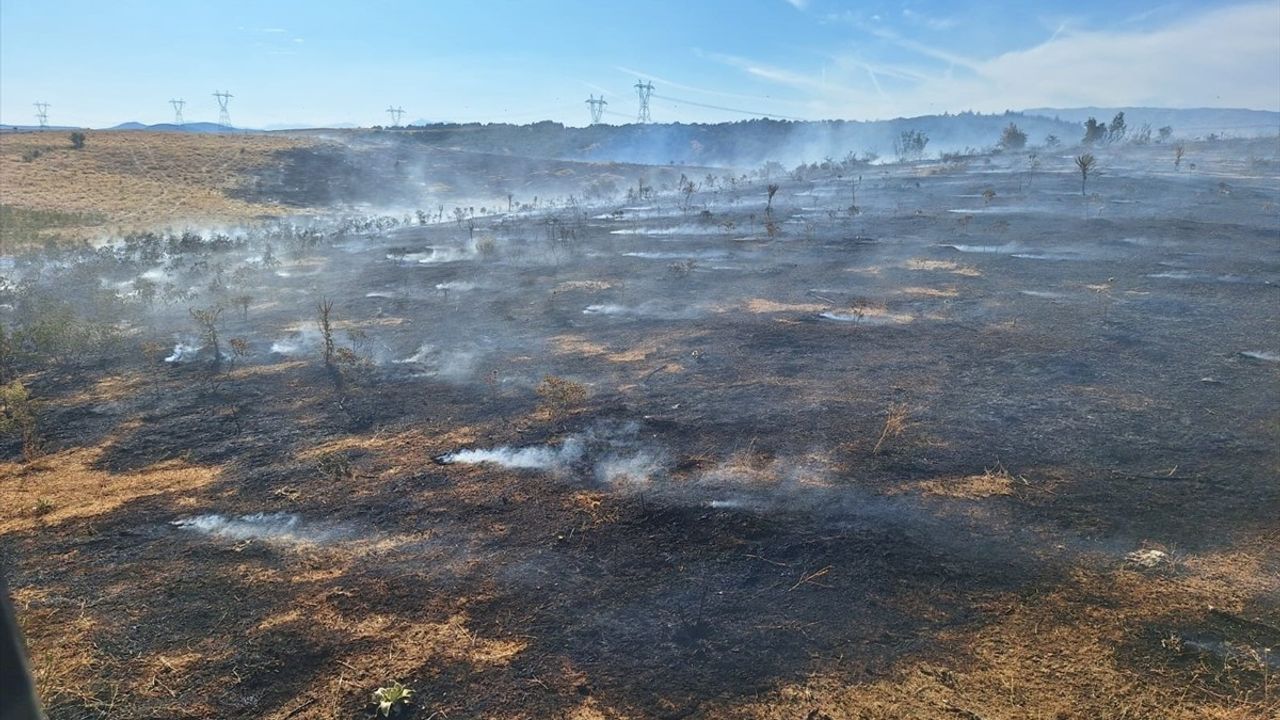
(336, 466)
(561, 395)
(325, 311)
(207, 320)
(18, 416)
(239, 349)
(392, 699)
(682, 269)
(77, 140)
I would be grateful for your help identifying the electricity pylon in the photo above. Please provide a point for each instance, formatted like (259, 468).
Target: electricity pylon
(597, 108)
(42, 114)
(396, 113)
(224, 116)
(644, 90)
(177, 110)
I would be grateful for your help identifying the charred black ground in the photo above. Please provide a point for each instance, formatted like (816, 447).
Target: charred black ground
(730, 510)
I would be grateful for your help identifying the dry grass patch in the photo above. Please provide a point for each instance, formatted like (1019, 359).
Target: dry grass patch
(585, 285)
(761, 306)
(66, 485)
(1064, 653)
(990, 483)
(897, 420)
(65, 661)
(942, 266)
(577, 345)
(946, 292)
(137, 180)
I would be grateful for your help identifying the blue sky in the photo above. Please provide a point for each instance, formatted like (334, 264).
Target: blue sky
(291, 62)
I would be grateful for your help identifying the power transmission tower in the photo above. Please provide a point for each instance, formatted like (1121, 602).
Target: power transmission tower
(42, 114)
(224, 98)
(597, 108)
(177, 110)
(644, 90)
(396, 113)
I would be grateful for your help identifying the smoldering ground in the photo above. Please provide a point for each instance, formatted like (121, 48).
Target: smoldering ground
(675, 429)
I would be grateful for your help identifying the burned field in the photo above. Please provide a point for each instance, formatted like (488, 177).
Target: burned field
(921, 440)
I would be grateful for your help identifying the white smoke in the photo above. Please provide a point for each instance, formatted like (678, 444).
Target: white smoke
(869, 320)
(643, 310)
(451, 365)
(633, 471)
(455, 286)
(615, 453)
(1004, 249)
(525, 458)
(432, 255)
(306, 340)
(184, 352)
(277, 527)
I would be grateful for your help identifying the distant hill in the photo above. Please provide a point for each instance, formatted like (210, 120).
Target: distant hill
(742, 143)
(1189, 122)
(37, 128)
(195, 127)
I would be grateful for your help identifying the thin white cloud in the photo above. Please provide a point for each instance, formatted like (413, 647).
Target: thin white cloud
(667, 84)
(1224, 57)
(798, 4)
(932, 22)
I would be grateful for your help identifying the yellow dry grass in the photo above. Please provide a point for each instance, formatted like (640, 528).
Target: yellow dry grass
(66, 485)
(1056, 655)
(65, 661)
(138, 180)
(946, 292)
(993, 482)
(585, 285)
(761, 306)
(579, 345)
(942, 266)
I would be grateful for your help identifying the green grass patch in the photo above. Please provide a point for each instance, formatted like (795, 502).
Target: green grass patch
(23, 228)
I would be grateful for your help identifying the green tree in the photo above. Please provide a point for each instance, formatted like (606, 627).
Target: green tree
(1013, 138)
(1094, 131)
(1118, 129)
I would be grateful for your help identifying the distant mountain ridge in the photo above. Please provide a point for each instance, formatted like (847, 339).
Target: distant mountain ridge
(193, 127)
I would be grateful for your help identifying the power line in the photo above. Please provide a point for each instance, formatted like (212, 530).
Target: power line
(396, 113)
(42, 113)
(177, 110)
(729, 109)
